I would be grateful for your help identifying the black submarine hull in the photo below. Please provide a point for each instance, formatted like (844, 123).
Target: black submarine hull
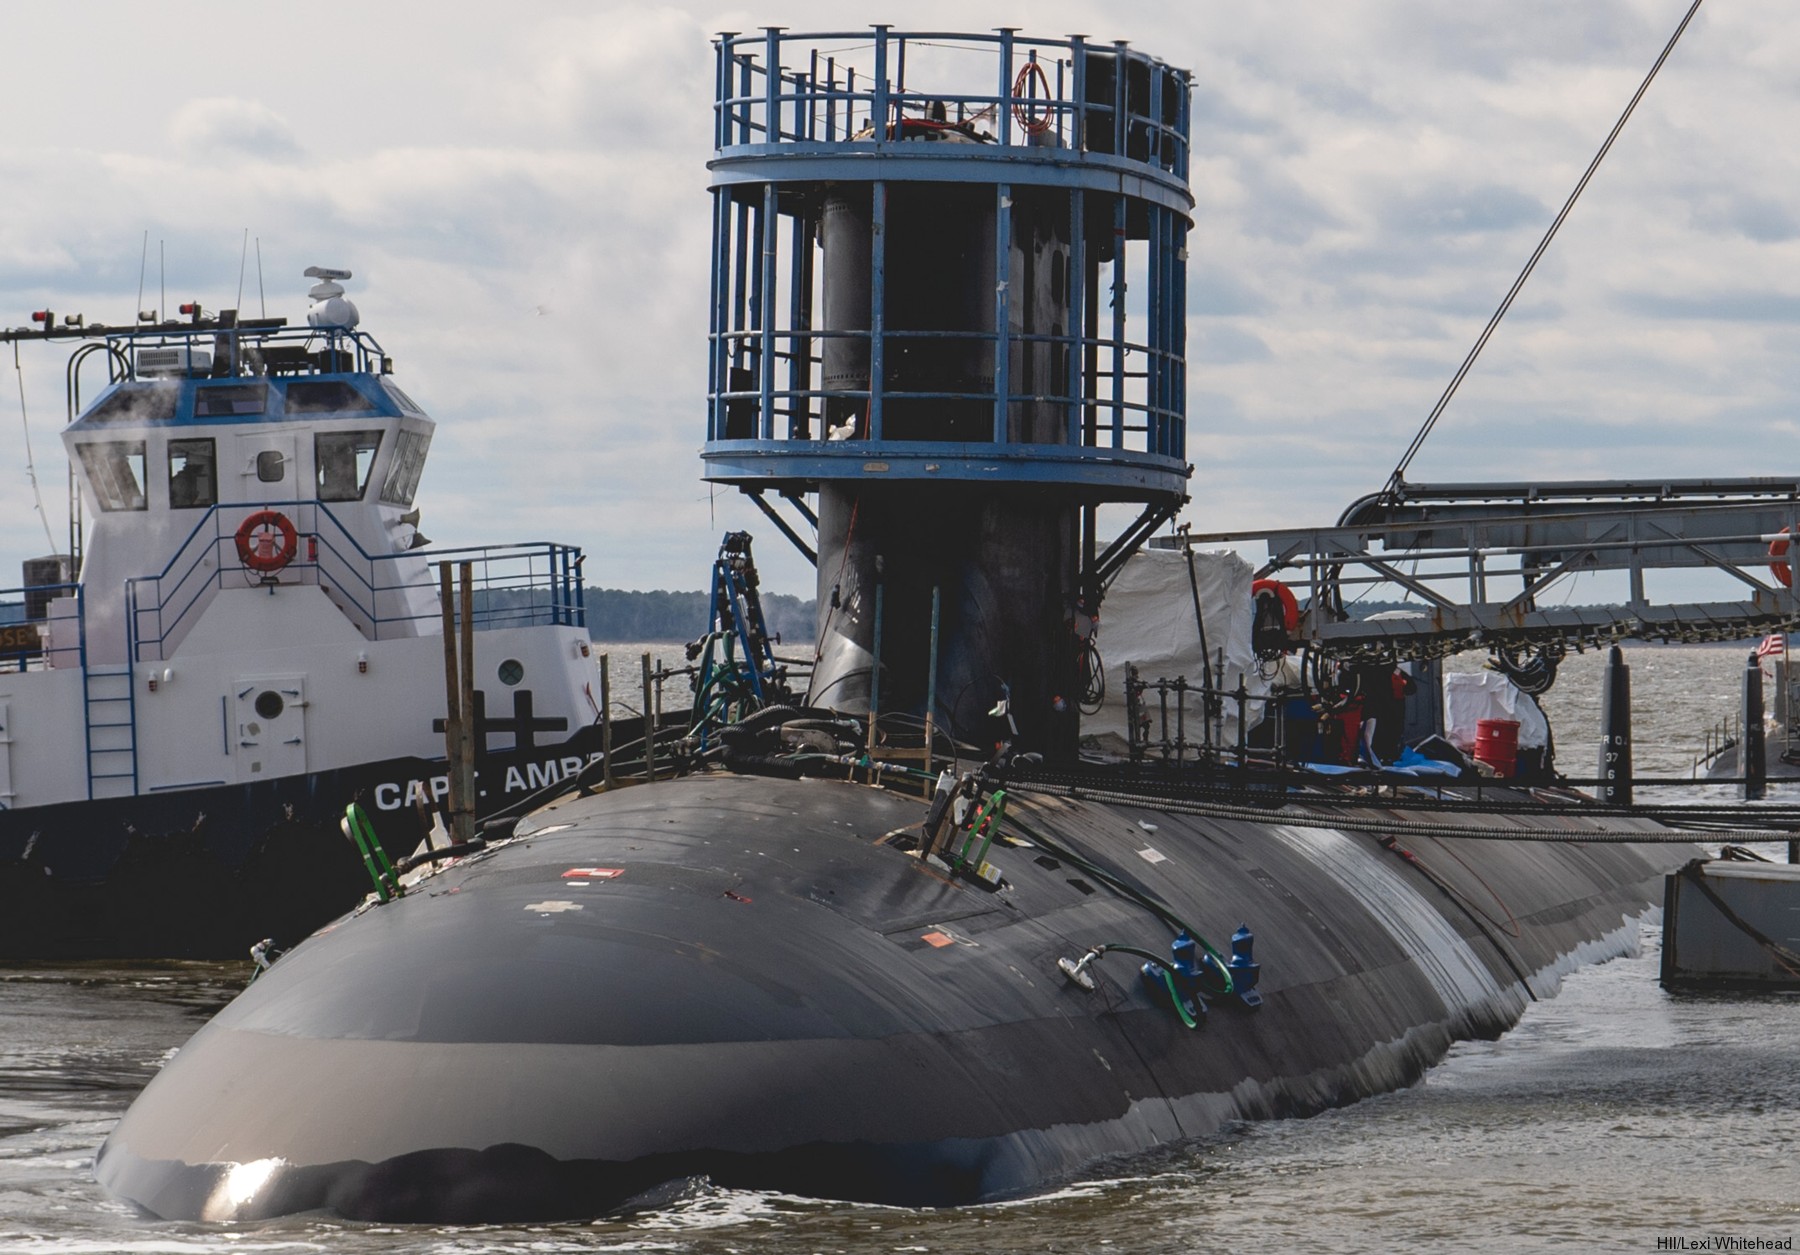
(738, 978)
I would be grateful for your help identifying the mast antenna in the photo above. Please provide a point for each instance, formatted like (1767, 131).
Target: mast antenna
(143, 265)
(243, 260)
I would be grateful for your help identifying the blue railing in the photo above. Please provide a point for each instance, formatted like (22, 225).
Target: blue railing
(254, 347)
(1088, 98)
(384, 595)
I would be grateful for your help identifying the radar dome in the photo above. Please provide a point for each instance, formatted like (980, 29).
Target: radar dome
(331, 308)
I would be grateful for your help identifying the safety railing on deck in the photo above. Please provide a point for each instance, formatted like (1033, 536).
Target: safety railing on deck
(1065, 92)
(23, 611)
(1505, 580)
(384, 595)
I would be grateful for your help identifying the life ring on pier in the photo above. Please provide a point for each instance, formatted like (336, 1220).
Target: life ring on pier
(267, 541)
(1274, 619)
(1290, 608)
(1778, 566)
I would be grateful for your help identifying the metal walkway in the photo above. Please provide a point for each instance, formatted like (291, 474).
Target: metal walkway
(1486, 564)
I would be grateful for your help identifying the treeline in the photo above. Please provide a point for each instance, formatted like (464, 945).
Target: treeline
(617, 614)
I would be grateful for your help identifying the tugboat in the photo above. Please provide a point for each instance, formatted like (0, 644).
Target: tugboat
(897, 939)
(253, 641)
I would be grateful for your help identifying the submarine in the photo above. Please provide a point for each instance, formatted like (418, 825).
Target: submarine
(898, 938)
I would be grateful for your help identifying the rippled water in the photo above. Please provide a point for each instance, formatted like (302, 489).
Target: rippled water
(1613, 1115)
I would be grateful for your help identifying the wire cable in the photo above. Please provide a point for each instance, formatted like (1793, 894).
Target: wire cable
(1437, 410)
(31, 462)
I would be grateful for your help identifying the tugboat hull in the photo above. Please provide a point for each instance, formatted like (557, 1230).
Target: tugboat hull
(209, 872)
(738, 978)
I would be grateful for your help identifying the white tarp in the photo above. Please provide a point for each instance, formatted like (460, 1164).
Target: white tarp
(1471, 696)
(1147, 619)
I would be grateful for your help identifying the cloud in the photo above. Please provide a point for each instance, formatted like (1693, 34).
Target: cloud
(1759, 218)
(1226, 345)
(1440, 210)
(1215, 291)
(226, 128)
(1740, 306)
(629, 79)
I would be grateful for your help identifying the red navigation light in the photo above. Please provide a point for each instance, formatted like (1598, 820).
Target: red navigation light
(190, 307)
(41, 315)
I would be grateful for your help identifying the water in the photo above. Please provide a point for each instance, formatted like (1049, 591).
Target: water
(1614, 1115)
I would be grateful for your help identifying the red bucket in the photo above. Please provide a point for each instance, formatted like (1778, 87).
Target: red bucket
(1343, 733)
(1497, 744)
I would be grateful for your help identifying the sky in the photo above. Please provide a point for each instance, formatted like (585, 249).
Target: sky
(521, 193)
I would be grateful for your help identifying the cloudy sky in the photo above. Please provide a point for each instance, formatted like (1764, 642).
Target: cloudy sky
(520, 190)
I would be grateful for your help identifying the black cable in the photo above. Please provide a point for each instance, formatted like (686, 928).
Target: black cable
(1121, 885)
(1437, 410)
(1206, 676)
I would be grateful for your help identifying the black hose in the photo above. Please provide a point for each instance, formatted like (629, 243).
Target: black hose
(762, 765)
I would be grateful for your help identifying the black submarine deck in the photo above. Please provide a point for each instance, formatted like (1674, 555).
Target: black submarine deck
(748, 979)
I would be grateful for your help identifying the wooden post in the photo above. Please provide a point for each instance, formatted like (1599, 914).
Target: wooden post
(649, 727)
(606, 763)
(452, 692)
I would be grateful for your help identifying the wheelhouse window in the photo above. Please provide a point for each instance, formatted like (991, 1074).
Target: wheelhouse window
(193, 474)
(345, 460)
(115, 468)
(400, 398)
(223, 400)
(409, 463)
(137, 403)
(326, 396)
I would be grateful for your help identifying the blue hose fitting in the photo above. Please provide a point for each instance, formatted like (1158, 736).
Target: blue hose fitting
(1177, 982)
(1244, 968)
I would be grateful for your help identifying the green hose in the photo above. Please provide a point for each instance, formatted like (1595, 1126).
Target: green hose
(1162, 965)
(1175, 999)
(357, 826)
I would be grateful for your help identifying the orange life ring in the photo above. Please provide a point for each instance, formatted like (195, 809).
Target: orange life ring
(1778, 566)
(267, 541)
(1290, 608)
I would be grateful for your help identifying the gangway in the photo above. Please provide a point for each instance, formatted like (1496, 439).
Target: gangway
(1493, 565)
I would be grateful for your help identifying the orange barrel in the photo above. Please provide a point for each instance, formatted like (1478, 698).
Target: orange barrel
(1497, 744)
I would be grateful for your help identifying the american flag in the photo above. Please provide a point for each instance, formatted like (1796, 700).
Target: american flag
(1774, 644)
